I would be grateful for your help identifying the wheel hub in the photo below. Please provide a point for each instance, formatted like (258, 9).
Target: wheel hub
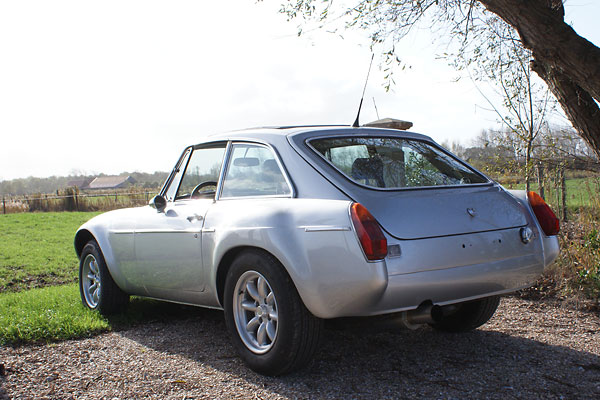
(255, 312)
(91, 281)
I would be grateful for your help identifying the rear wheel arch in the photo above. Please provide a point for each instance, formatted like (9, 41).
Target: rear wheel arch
(290, 333)
(228, 259)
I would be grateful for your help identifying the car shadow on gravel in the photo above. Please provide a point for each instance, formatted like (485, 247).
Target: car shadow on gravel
(359, 363)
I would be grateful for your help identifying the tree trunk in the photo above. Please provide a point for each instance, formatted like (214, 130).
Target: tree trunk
(569, 63)
(527, 164)
(540, 177)
(578, 105)
(563, 190)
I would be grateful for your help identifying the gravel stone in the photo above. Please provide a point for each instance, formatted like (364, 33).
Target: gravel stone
(530, 349)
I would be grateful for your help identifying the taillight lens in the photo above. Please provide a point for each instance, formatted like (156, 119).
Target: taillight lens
(544, 214)
(371, 237)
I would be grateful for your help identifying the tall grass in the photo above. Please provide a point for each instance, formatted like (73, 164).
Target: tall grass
(71, 199)
(575, 276)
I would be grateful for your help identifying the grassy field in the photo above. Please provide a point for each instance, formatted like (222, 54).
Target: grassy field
(581, 192)
(56, 313)
(36, 249)
(39, 297)
(50, 313)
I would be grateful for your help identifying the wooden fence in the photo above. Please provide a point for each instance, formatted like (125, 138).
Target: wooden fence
(73, 200)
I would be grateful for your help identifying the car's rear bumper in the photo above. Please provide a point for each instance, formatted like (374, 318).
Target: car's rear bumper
(455, 285)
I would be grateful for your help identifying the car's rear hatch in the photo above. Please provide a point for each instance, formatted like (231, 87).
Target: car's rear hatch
(411, 186)
(421, 213)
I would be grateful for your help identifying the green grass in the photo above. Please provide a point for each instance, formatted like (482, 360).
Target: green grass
(51, 313)
(581, 192)
(36, 258)
(57, 313)
(36, 249)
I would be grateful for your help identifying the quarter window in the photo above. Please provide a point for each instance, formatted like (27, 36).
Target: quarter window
(253, 171)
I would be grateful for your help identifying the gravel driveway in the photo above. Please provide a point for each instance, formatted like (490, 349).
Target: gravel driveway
(528, 350)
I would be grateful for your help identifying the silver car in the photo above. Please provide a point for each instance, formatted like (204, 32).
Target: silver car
(286, 227)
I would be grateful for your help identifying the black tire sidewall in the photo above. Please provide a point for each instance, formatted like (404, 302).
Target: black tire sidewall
(281, 354)
(90, 248)
(112, 298)
(471, 315)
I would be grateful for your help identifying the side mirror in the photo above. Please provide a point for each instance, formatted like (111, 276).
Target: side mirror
(158, 202)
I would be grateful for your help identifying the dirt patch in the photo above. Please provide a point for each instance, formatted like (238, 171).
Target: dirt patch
(19, 284)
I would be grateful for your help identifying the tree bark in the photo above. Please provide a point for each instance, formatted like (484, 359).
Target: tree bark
(569, 63)
(578, 105)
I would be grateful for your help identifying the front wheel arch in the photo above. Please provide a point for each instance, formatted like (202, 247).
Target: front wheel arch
(97, 288)
(82, 237)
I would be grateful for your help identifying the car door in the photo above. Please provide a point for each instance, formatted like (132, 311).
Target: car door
(168, 243)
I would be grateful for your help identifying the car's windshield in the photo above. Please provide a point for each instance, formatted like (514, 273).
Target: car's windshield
(387, 162)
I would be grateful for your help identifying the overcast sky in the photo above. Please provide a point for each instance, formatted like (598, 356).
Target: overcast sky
(113, 86)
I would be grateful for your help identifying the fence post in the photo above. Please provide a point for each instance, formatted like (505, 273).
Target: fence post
(563, 183)
(540, 178)
(557, 189)
(3, 205)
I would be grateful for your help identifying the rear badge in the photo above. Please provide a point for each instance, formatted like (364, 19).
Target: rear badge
(471, 212)
(526, 234)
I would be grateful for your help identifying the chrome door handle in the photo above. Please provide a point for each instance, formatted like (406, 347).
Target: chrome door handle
(195, 217)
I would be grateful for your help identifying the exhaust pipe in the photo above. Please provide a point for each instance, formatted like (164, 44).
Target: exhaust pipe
(426, 313)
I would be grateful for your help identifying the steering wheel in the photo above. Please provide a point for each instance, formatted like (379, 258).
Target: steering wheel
(196, 192)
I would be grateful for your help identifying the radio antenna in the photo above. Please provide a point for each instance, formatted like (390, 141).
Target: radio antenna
(356, 124)
(376, 110)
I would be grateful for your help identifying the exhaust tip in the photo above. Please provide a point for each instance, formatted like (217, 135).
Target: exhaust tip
(426, 313)
(437, 314)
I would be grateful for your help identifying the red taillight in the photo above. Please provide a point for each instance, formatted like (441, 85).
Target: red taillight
(544, 214)
(369, 233)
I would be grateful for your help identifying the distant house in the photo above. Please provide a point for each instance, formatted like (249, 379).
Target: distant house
(111, 182)
(79, 183)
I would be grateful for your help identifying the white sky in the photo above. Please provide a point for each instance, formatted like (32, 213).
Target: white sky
(113, 86)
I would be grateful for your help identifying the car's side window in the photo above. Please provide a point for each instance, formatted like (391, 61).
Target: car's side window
(202, 173)
(253, 171)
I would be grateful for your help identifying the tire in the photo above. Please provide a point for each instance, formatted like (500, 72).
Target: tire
(284, 335)
(97, 288)
(469, 315)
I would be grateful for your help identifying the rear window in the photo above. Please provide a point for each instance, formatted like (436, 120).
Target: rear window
(394, 163)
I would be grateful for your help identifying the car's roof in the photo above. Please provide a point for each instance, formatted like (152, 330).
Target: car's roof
(276, 133)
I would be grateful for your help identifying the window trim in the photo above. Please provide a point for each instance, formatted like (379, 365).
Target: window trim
(174, 171)
(430, 143)
(277, 158)
(179, 168)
